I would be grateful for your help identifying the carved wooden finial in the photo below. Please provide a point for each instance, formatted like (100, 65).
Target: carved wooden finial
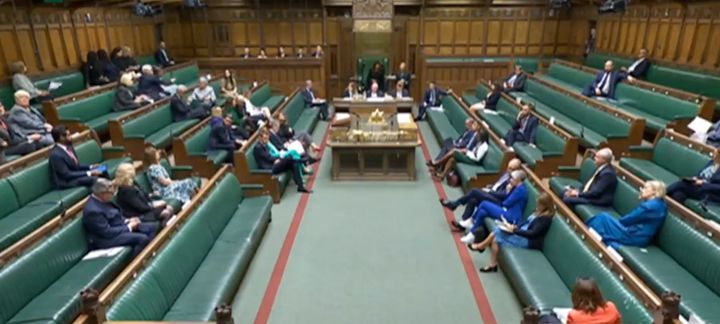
(670, 307)
(91, 306)
(223, 314)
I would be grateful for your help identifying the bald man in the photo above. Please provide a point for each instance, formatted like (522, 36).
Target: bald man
(600, 188)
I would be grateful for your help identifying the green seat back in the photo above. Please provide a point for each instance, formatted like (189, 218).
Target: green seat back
(529, 64)
(186, 75)
(89, 152)
(587, 169)
(656, 104)
(88, 108)
(548, 141)
(597, 60)
(9, 199)
(481, 91)
(570, 75)
(150, 59)
(71, 83)
(532, 198)
(493, 157)
(365, 63)
(198, 142)
(32, 182)
(700, 83)
(693, 250)
(250, 157)
(625, 198)
(455, 113)
(35, 271)
(149, 123)
(7, 96)
(294, 109)
(261, 95)
(666, 153)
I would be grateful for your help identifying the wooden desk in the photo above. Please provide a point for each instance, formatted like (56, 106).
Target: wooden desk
(365, 108)
(373, 161)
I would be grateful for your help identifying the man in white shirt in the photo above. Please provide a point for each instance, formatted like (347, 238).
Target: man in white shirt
(204, 94)
(258, 114)
(605, 82)
(639, 68)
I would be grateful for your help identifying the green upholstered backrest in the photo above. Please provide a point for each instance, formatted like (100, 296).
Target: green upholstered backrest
(571, 259)
(150, 59)
(666, 153)
(507, 108)
(529, 64)
(198, 142)
(250, 157)
(493, 157)
(455, 113)
(548, 141)
(262, 94)
(625, 198)
(32, 182)
(294, 108)
(157, 288)
(365, 63)
(71, 83)
(532, 198)
(570, 75)
(597, 60)
(700, 83)
(587, 168)
(7, 96)
(693, 250)
(481, 91)
(186, 75)
(657, 104)
(88, 108)
(9, 199)
(35, 271)
(149, 123)
(89, 152)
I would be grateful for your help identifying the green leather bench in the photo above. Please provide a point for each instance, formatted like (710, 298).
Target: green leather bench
(187, 75)
(202, 266)
(43, 285)
(150, 59)
(71, 83)
(152, 127)
(263, 97)
(550, 283)
(657, 109)
(592, 127)
(690, 81)
(301, 119)
(143, 181)
(670, 161)
(29, 201)
(92, 112)
(529, 64)
(249, 173)
(547, 143)
(450, 123)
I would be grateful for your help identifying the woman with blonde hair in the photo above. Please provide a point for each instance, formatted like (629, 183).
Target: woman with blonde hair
(125, 98)
(638, 227)
(134, 201)
(162, 184)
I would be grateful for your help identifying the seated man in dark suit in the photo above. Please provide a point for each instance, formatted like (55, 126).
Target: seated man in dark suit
(516, 81)
(12, 142)
(374, 91)
(312, 101)
(605, 82)
(105, 227)
(705, 186)
(524, 129)
(66, 171)
(162, 56)
(222, 138)
(400, 91)
(151, 85)
(600, 188)
(496, 193)
(269, 158)
(461, 142)
(639, 68)
(182, 109)
(404, 75)
(432, 98)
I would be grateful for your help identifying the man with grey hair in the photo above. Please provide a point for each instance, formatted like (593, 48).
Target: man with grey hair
(600, 188)
(28, 121)
(203, 94)
(182, 108)
(105, 225)
(460, 143)
(152, 85)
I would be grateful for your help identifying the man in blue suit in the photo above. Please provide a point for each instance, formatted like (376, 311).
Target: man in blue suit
(66, 171)
(105, 227)
(511, 208)
(705, 186)
(222, 138)
(516, 81)
(151, 85)
(525, 127)
(495, 193)
(432, 98)
(461, 142)
(605, 82)
(600, 188)
(312, 101)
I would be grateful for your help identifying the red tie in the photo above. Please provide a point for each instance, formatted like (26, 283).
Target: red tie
(72, 155)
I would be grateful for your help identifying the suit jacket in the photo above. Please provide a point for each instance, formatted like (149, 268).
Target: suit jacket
(465, 139)
(308, 96)
(63, 169)
(346, 93)
(614, 79)
(9, 134)
(403, 93)
(276, 139)
(530, 128)
(602, 190)
(711, 188)
(514, 204)
(151, 85)
(519, 83)
(109, 69)
(162, 57)
(124, 99)
(380, 94)
(429, 95)
(406, 77)
(640, 70)
(221, 138)
(133, 201)
(181, 110)
(262, 155)
(27, 121)
(535, 232)
(492, 100)
(499, 188)
(103, 222)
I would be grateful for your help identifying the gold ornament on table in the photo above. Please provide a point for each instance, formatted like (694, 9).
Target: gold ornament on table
(377, 117)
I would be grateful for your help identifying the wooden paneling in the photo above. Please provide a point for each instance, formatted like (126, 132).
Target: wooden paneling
(674, 32)
(462, 75)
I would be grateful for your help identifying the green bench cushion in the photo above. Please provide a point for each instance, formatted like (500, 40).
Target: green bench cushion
(273, 103)
(23, 221)
(647, 170)
(542, 287)
(89, 108)
(100, 124)
(71, 83)
(441, 126)
(711, 211)
(162, 138)
(187, 75)
(307, 121)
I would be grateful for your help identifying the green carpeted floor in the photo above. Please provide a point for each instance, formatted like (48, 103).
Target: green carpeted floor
(369, 252)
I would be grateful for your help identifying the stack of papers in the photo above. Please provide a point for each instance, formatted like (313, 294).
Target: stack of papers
(404, 118)
(102, 253)
(54, 85)
(341, 116)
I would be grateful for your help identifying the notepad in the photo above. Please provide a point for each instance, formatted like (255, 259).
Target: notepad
(699, 125)
(104, 253)
(54, 85)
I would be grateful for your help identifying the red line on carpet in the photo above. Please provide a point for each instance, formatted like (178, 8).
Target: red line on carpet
(477, 288)
(271, 291)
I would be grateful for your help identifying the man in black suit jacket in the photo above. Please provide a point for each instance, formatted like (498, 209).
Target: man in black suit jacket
(432, 98)
(105, 226)
(404, 75)
(182, 109)
(269, 158)
(162, 56)
(66, 171)
(525, 127)
(222, 138)
(639, 68)
(12, 142)
(399, 92)
(605, 82)
(151, 84)
(311, 101)
(600, 188)
(516, 80)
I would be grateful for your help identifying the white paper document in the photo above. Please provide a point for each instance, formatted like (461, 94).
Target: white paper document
(478, 105)
(102, 253)
(490, 112)
(296, 146)
(371, 99)
(404, 118)
(54, 85)
(562, 313)
(439, 108)
(341, 116)
(700, 125)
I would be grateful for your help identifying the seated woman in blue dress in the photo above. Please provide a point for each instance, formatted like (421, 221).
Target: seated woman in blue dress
(511, 209)
(639, 226)
(705, 186)
(528, 235)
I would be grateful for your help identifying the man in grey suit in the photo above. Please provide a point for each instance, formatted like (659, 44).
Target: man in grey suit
(28, 121)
